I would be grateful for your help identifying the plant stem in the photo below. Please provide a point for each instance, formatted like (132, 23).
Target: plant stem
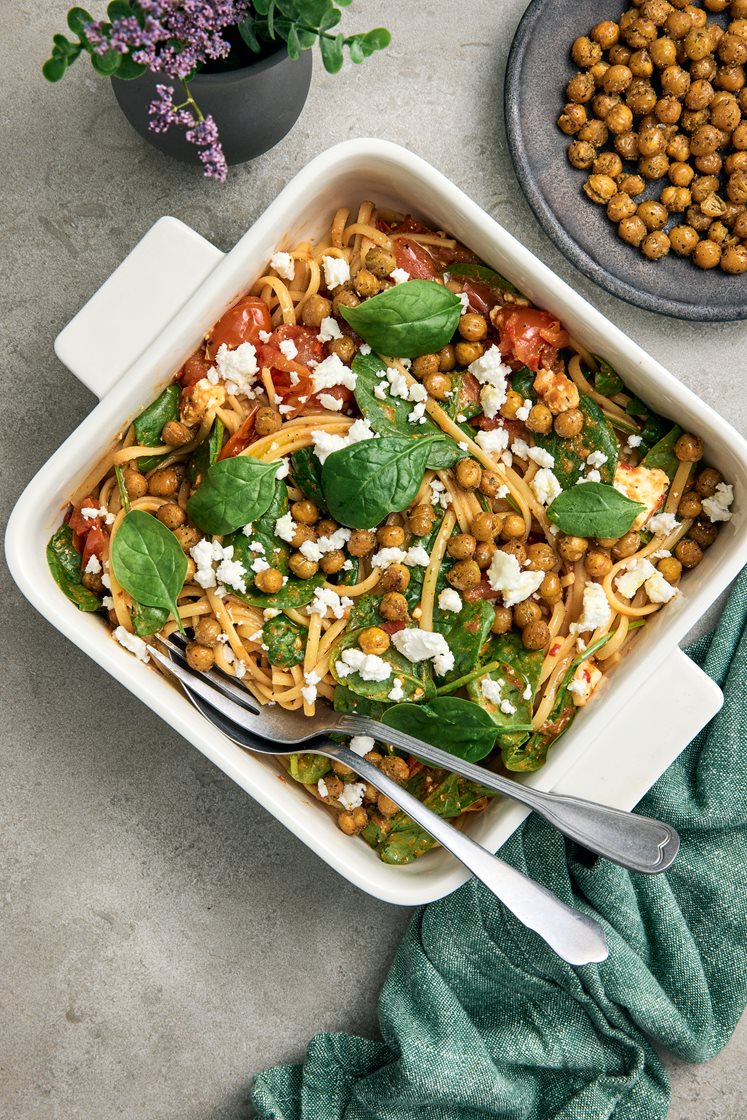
(190, 101)
(480, 671)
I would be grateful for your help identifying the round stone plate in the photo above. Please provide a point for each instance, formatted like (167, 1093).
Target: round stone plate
(539, 65)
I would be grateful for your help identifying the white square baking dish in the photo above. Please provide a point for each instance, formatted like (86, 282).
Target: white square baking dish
(160, 302)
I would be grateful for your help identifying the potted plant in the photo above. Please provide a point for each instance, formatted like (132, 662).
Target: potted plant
(242, 68)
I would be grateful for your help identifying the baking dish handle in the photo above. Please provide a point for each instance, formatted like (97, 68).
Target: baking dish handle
(134, 305)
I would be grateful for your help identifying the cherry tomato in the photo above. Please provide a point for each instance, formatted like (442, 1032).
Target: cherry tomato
(482, 591)
(241, 324)
(80, 524)
(309, 349)
(313, 404)
(393, 626)
(414, 258)
(194, 369)
(241, 438)
(531, 336)
(97, 540)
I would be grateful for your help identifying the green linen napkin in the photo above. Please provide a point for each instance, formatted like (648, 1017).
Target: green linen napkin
(479, 1019)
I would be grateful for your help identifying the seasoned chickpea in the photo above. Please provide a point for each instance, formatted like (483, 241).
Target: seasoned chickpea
(550, 589)
(490, 484)
(267, 421)
(572, 118)
(446, 358)
(468, 472)
(461, 546)
(730, 78)
(438, 385)
(632, 230)
(569, 423)
(163, 483)
(513, 527)
(344, 347)
(581, 154)
(390, 536)
(314, 310)
(606, 33)
(688, 552)
(671, 568)
(425, 364)
(719, 233)
(620, 54)
(617, 79)
(343, 298)
(632, 184)
(641, 65)
(136, 484)
(199, 657)
(585, 52)
(464, 575)
(619, 119)
(734, 259)
(690, 505)
(707, 481)
(652, 214)
(374, 640)
(697, 43)
(726, 115)
(536, 635)
(739, 136)
(697, 219)
(626, 546)
(678, 24)
(580, 88)
(651, 141)
(663, 52)
(598, 563)
(365, 283)
(171, 515)
(176, 434)
(736, 187)
(676, 199)
(526, 612)
(680, 174)
(689, 448)
(473, 327)
(188, 536)
(655, 245)
(270, 580)
(484, 526)
(395, 578)
(92, 581)
(207, 631)
(640, 97)
(191, 569)
(332, 562)
(380, 262)
(703, 533)
(353, 821)
(362, 541)
(305, 511)
(668, 110)
(484, 552)
(539, 419)
(678, 150)
(572, 548)
(516, 549)
(707, 254)
(620, 206)
(594, 132)
(541, 557)
(393, 607)
(502, 620)
(419, 523)
(653, 167)
(739, 227)
(732, 49)
(468, 352)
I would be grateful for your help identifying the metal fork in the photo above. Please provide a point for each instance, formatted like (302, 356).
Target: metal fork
(636, 842)
(575, 937)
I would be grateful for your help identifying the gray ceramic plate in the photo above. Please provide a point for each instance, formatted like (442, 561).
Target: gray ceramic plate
(539, 66)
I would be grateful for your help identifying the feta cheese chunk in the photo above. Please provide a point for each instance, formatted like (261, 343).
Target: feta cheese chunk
(325, 598)
(352, 795)
(493, 442)
(717, 507)
(285, 527)
(132, 643)
(398, 692)
(399, 275)
(368, 666)
(585, 680)
(329, 329)
(289, 350)
(93, 567)
(332, 404)
(424, 645)
(647, 485)
(633, 575)
(662, 524)
(332, 371)
(658, 590)
(505, 575)
(336, 271)
(361, 744)
(236, 368)
(284, 265)
(595, 611)
(545, 486)
(325, 442)
(450, 600)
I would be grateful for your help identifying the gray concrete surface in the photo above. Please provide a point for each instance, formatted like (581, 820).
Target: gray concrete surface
(162, 936)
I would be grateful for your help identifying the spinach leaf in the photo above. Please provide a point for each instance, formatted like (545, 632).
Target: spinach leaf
(276, 551)
(481, 272)
(458, 726)
(654, 429)
(531, 754)
(518, 669)
(594, 510)
(206, 454)
(285, 641)
(570, 455)
(307, 475)
(148, 620)
(414, 318)
(235, 492)
(662, 454)
(364, 483)
(149, 424)
(466, 636)
(309, 768)
(148, 562)
(365, 612)
(606, 380)
(390, 416)
(348, 576)
(292, 595)
(65, 566)
(522, 382)
(416, 680)
(352, 704)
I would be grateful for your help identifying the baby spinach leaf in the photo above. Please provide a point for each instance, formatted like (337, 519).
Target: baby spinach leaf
(570, 455)
(309, 768)
(414, 318)
(64, 564)
(522, 382)
(348, 576)
(366, 482)
(148, 620)
(531, 753)
(389, 417)
(149, 424)
(352, 704)
(448, 722)
(292, 595)
(206, 454)
(662, 454)
(606, 380)
(481, 272)
(517, 672)
(365, 612)
(235, 492)
(466, 636)
(654, 428)
(594, 510)
(277, 551)
(416, 680)
(307, 475)
(285, 641)
(148, 562)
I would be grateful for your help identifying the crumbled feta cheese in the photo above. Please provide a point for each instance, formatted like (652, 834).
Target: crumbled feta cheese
(463, 298)
(596, 459)
(439, 494)
(93, 567)
(380, 391)
(364, 348)
(321, 786)
(106, 581)
(361, 745)
(326, 599)
(657, 588)
(662, 524)
(491, 399)
(231, 572)
(592, 476)
(258, 547)
(259, 565)
(527, 693)
(398, 691)
(336, 271)
(585, 680)
(417, 392)
(595, 611)
(386, 556)
(285, 528)
(282, 471)
(237, 369)
(368, 666)
(270, 612)
(490, 369)
(522, 413)
(461, 418)
(493, 442)
(417, 416)
(329, 329)
(132, 643)
(538, 455)
(450, 600)
(399, 275)
(309, 691)
(289, 349)
(505, 575)
(545, 486)
(325, 442)
(311, 551)
(634, 441)
(424, 645)
(398, 383)
(285, 409)
(107, 603)
(634, 574)
(265, 336)
(491, 690)
(717, 507)
(332, 404)
(284, 265)
(507, 708)
(352, 795)
(332, 371)
(417, 556)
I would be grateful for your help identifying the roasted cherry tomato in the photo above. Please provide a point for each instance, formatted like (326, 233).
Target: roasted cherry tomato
(482, 591)
(241, 438)
(414, 258)
(80, 524)
(293, 388)
(531, 336)
(97, 541)
(194, 369)
(241, 324)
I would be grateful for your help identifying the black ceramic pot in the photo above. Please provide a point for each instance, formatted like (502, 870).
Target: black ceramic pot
(254, 107)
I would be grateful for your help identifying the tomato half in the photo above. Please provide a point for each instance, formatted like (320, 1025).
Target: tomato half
(194, 369)
(414, 258)
(241, 438)
(531, 336)
(241, 324)
(80, 524)
(97, 541)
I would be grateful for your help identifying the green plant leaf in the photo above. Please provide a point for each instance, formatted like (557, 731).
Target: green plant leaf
(285, 641)
(594, 510)
(276, 551)
(150, 423)
(378, 39)
(606, 380)
(77, 20)
(129, 69)
(455, 725)
(662, 454)
(481, 272)
(206, 454)
(309, 768)
(352, 704)
(307, 475)
(149, 562)
(54, 68)
(235, 492)
(119, 9)
(418, 317)
(294, 45)
(107, 63)
(416, 680)
(148, 620)
(364, 483)
(64, 563)
(330, 47)
(570, 455)
(247, 31)
(518, 669)
(524, 756)
(466, 636)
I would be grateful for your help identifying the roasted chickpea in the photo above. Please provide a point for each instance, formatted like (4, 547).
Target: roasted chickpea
(572, 118)
(652, 214)
(163, 483)
(585, 52)
(606, 33)
(663, 52)
(676, 199)
(191, 569)
(344, 347)
(390, 536)
(207, 631)
(608, 163)
(362, 541)
(332, 562)
(678, 150)
(550, 589)
(671, 568)
(136, 484)
(580, 88)
(366, 284)
(188, 536)
(703, 533)
(619, 119)
(656, 10)
(464, 575)
(572, 548)
(734, 259)
(484, 552)
(736, 187)
(707, 481)
(598, 563)
(490, 484)
(739, 137)
(594, 132)
(541, 557)
(726, 115)
(199, 657)
(706, 254)
(343, 298)
(473, 327)
(688, 552)
(626, 546)
(689, 448)
(526, 612)
(468, 472)
(92, 581)
(353, 821)
(314, 310)
(270, 580)
(631, 184)
(739, 228)
(425, 365)
(678, 24)
(719, 233)
(461, 546)
(267, 421)
(680, 174)
(176, 434)
(640, 64)
(697, 219)
(640, 97)
(300, 565)
(374, 640)
(484, 526)
(419, 522)
(732, 49)
(171, 515)
(395, 578)
(730, 78)
(438, 385)
(653, 167)
(620, 54)
(690, 505)
(305, 511)
(536, 635)
(632, 230)
(502, 620)
(393, 607)
(617, 79)
(468, 352)
(539, 419)
(697, 43)
(516, 549)
(569, 423)
(380, 262)
(668, 110)
(683, 240)
(513, 527)
(620, 206)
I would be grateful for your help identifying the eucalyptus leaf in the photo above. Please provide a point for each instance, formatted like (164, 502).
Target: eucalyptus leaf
(64, 562)
(129, 69)
(150, 423)
(366, 482)
(455, 725)
(149, 562)
(594, 509)
(235, 492)
(417, 317)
